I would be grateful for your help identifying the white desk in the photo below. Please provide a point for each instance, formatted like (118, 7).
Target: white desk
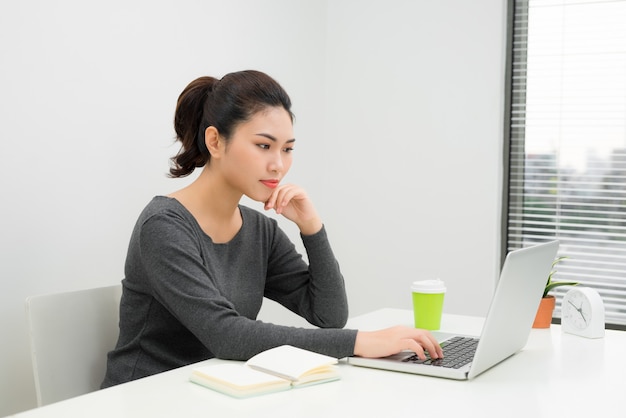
(555, 375)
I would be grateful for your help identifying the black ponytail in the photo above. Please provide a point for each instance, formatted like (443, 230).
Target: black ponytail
(187, 119)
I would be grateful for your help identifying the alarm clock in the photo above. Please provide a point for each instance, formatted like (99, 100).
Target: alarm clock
(582, 313)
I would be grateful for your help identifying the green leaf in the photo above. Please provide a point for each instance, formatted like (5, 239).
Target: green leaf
(550, 284)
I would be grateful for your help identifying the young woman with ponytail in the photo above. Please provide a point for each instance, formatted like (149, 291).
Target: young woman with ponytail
(199, 263)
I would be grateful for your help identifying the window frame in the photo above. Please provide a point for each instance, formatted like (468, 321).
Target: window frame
(515, 92)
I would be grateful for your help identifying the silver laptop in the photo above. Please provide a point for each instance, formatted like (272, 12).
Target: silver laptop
(506, 328)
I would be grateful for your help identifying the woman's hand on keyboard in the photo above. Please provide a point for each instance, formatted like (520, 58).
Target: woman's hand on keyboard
(393, 340)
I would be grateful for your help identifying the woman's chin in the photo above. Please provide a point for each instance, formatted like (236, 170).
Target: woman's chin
(258, 198)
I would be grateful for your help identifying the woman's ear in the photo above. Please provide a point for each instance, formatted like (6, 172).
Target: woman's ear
(212, 141)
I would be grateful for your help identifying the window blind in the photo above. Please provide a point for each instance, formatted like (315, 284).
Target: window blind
(567, 150)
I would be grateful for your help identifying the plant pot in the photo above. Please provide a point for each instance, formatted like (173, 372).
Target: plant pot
(543, 319)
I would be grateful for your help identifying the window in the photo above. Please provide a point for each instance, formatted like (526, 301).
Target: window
(567, 141)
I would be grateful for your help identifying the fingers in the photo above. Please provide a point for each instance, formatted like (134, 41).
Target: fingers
(281, 197)
(430, 344)
(286, 195)
(293, 203)
(417, 349)
(425, 342)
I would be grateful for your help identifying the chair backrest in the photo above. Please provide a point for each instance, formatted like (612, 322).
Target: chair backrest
(70, 336)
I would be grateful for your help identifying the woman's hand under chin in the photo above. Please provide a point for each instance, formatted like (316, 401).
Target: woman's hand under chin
(294, 203)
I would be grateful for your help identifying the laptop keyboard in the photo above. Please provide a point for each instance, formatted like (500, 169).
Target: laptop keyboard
(457, 351)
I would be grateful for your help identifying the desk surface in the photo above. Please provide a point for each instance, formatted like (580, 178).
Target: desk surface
(554, 375)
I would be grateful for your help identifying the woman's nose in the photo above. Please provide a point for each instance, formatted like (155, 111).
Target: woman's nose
(276, 164)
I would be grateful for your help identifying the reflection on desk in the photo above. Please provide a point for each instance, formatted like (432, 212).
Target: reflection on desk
(554, 375)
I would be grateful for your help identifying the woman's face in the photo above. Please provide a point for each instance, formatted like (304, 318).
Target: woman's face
(258, 155)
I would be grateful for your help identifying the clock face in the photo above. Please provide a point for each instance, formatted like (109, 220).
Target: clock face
(577, 310)
(582, 312)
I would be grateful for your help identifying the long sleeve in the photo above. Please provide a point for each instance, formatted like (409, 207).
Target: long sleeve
(317, 294)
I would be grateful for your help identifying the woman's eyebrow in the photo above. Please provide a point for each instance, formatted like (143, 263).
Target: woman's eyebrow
(273, 138)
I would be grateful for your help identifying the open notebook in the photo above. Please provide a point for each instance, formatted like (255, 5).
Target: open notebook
(506, 327)
(277, 369)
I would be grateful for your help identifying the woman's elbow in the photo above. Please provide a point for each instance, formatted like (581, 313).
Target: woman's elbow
(337, 320)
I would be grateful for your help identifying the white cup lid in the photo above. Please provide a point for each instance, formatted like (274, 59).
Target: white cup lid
(429, 286)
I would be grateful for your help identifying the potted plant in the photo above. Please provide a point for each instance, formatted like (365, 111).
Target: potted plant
(543, 319)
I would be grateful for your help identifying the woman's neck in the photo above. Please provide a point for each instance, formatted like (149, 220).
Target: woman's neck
(214, 207)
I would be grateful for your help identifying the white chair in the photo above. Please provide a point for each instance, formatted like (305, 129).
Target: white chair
(70, 336)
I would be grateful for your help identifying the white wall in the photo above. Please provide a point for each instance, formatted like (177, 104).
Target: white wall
(398, 125)
(411, 179)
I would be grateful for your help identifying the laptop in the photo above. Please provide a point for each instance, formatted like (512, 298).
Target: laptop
(506, 328)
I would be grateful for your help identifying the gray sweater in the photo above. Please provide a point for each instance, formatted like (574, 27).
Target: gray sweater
(187, 299)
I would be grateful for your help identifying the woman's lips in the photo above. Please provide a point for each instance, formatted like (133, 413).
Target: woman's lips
(270, 183)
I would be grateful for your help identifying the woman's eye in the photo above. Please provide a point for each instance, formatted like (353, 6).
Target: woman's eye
(288, 149)
(264, 146)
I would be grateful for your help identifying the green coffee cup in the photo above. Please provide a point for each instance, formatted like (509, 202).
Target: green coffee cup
(428, 303)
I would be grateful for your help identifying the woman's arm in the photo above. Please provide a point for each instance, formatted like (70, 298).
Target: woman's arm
(315, 291)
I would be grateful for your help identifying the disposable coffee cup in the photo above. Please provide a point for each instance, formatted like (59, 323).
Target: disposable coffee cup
(428, 303)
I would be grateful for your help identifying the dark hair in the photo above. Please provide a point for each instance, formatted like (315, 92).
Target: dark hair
(224, 104)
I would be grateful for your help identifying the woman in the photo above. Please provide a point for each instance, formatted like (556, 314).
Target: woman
(199, 263)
